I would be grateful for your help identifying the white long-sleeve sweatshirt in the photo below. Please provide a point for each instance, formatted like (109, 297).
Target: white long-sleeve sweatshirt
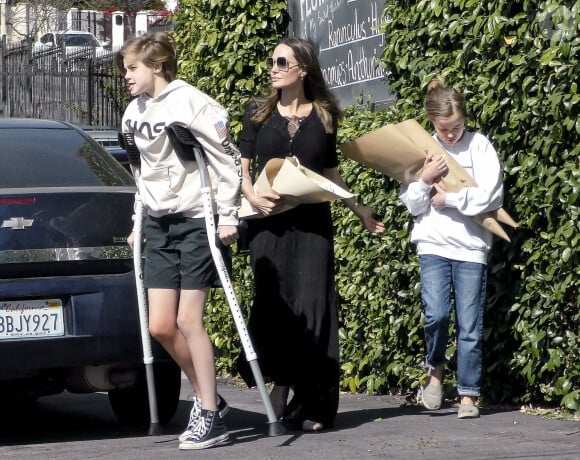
(166, 183)
(451, 232)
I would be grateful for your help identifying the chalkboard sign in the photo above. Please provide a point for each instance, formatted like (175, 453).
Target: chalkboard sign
(347, 36)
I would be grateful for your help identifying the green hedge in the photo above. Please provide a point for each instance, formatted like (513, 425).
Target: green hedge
(518, 64)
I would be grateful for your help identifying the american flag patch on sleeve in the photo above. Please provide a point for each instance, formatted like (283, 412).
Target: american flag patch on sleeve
(221, 129)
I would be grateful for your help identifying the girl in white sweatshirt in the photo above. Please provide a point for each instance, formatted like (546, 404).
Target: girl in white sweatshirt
(179, 269)
(452, 247)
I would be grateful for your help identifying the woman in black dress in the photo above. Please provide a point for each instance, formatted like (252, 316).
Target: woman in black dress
(293, 322)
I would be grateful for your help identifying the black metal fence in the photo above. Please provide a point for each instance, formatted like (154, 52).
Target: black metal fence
(78, 87)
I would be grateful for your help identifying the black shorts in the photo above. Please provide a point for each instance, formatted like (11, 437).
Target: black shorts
(177, 253)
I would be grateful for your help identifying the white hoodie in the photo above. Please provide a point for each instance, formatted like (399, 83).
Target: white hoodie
(451, 232)
(168, 185)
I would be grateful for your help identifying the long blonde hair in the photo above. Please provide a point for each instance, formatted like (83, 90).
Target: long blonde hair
(315, 88)
(442, 101)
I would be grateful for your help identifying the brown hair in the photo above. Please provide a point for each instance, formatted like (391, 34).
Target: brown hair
(151, 49)
(315, 87)
(442, 101)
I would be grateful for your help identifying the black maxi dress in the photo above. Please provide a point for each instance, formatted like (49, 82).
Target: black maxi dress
(293, 320)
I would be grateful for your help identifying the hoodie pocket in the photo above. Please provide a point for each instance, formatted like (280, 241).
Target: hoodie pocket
(160, 188)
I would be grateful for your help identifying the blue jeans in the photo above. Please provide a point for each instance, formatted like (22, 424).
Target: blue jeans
(467, 281)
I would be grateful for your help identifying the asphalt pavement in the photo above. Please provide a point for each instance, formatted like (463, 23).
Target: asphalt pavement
(67, 427)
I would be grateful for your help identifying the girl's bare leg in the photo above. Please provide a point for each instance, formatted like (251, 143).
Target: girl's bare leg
(163, 305)
(190, 323)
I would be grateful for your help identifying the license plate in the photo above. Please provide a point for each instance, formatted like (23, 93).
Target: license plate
(31, 318)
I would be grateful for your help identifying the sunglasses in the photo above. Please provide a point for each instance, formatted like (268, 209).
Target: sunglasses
(280, 62)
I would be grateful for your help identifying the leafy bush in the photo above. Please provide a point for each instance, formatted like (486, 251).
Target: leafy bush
(223, 45)
(518, 65)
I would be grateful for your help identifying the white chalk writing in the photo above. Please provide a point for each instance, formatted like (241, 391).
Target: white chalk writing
(349, 40)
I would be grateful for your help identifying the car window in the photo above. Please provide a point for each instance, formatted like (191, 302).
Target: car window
(79, 40)
(47, 38)
(55, 158)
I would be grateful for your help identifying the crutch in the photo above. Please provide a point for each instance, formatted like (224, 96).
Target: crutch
(127, 141)
(185, 144)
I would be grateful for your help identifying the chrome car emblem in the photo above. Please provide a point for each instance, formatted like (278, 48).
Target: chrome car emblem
(17, 223)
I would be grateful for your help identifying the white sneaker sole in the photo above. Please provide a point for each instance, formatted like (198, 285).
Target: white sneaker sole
(183, 436)
(221, 439)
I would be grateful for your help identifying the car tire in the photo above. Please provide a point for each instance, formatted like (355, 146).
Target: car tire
(131, 405)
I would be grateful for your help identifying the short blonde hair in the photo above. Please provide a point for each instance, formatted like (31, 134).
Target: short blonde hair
(152, 49)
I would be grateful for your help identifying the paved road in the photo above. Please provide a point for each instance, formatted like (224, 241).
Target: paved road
(71, 427)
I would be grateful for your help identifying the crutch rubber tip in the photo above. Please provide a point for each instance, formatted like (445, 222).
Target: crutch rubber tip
(276, 429)
(154, 429)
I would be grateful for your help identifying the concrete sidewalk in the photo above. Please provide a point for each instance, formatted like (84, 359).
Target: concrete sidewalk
(370, 427)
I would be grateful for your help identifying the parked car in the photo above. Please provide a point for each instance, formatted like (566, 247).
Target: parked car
(76, 43)
(109, 138)
(69, 317)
